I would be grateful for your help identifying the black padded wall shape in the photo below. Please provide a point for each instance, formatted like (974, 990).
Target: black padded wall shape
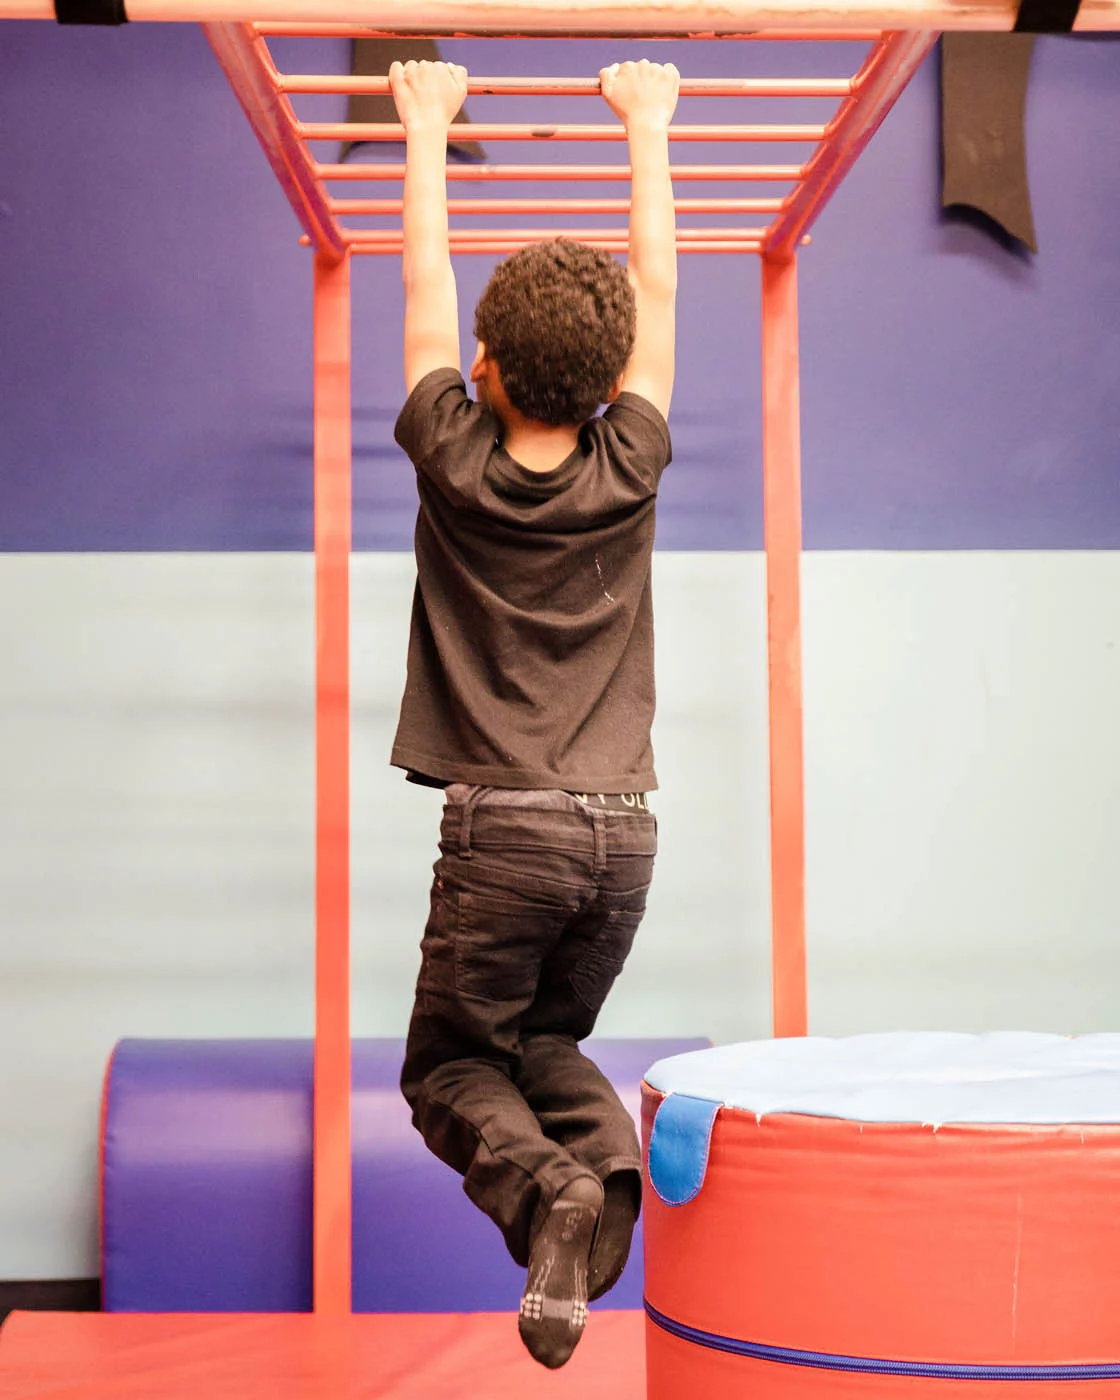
(983, 139)
(376, 56)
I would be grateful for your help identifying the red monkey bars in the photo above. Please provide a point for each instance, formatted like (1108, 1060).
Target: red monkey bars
(265, 93)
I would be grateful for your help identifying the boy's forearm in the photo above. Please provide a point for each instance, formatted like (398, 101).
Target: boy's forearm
(427, 96)
(653, 230)
(426, 244)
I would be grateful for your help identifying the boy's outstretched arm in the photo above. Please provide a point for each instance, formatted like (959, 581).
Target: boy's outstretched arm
(644, 95)
(428, 95)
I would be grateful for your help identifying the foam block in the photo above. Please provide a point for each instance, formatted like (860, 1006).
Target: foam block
(206, 1198)
(865, 1217)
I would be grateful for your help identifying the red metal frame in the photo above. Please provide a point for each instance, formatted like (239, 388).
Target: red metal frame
(244, 57)
(889, 66)
(330, 1354)
(332, 1202)
(781, 477)
(265, 93)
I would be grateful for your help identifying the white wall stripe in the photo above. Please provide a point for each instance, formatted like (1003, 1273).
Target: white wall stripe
(156, 821)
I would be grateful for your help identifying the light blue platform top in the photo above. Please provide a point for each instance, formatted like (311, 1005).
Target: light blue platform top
(909, 1077)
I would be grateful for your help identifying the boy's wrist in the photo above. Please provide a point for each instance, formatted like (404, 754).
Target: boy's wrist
(647, 126)
(427, 128)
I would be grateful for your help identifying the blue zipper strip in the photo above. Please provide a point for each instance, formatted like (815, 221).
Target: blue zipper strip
(867, 1365)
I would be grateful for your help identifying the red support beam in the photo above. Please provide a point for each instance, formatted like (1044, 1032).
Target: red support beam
(619, 19)
(363, 29)
(332, 1200)
(878, 85)
(245, 59)
(781, 461)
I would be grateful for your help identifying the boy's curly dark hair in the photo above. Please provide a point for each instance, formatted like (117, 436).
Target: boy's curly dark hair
(558, 320)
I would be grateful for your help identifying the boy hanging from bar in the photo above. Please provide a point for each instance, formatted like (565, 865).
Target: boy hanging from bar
(530, 693)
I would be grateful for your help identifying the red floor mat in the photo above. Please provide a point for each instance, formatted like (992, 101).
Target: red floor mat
(90, 1356)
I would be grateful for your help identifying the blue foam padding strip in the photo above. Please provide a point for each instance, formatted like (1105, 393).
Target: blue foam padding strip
(678, 1147)
(207, 1185)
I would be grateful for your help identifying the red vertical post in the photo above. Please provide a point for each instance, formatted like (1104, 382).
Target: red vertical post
(332, 1208)
(781, 465)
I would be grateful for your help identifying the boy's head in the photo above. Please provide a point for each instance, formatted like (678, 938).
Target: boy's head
(557, 320)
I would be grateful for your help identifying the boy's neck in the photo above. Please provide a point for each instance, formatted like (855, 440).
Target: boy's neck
(538, 447)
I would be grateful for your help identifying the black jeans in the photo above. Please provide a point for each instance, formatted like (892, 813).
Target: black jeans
(535, 904)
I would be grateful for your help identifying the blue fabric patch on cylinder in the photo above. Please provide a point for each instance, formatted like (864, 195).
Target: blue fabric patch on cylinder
(678, 1147)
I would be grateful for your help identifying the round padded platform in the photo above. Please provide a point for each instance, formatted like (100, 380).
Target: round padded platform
(206, 1184)
(888, 1216)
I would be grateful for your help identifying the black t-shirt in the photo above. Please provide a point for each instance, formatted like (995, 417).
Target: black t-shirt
(530, 661)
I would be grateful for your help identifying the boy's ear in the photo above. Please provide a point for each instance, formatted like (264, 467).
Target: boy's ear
(478, 364)
(616, 389)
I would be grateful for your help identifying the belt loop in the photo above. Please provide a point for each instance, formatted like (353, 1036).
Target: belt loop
(465, 822)
(599, 827)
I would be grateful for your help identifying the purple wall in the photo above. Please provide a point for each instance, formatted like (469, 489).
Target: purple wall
(155, 322)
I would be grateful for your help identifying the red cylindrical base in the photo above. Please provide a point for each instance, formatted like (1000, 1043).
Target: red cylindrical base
(675, 1371)
(990, 1246)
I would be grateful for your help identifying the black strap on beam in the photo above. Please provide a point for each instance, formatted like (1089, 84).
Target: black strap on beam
(1047, 16)
(983, 129)
(90, 12)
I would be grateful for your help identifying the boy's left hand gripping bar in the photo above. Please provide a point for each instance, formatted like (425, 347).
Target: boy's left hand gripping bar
(90, 12)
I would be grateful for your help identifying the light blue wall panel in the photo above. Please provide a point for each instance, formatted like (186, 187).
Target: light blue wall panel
(963, 757)
(156, 832)
(155, 844)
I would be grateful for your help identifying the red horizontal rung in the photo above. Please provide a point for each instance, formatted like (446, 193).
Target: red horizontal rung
(552, 131)
(576, 87)
(559, 206)
(776, 174)
(611, 246)
(581, 235)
